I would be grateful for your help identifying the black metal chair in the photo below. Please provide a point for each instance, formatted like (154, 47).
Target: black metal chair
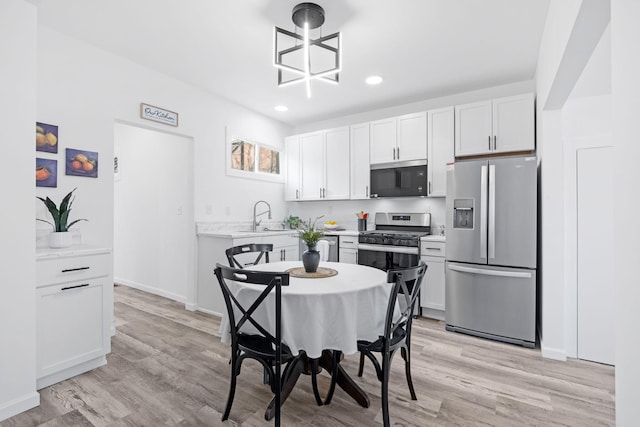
(397, 334)
(262, 249)
(260, 345)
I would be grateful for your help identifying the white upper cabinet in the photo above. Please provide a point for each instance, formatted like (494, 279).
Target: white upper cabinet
(513, 123)
(321, 160)
(336, 164)
(383, 141)
(399, 138)
(412, 137)
(311, 160)
(473, 128)
(496, 126)
(292, 188)
(440, 148)
(360, 173)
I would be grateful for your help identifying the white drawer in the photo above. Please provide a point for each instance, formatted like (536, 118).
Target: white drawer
(432, 248)
(59, 270)
(349, 242)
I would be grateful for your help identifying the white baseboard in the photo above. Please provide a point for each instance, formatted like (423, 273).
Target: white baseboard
(190, 306)
(150, 289)
(553, 353)
(204, 310)
(18, 405)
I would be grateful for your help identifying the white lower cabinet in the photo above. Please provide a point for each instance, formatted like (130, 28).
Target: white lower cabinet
(211, 250)
(433, 289)
(348, 249)
(285, 248)
(73, 306)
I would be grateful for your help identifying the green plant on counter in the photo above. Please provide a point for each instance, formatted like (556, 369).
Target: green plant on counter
(292, 221)
(308, 232)
(60, 216)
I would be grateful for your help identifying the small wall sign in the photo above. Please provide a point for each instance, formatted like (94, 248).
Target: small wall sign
(160, 115)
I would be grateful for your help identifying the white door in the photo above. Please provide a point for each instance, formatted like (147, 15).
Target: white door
(336, 164)
(311, 175)
(360, 173)
(596, 289)
(383, 141)
(473, 128)
(513, 124)
(440, 147)
(292, 146)
(412, 137)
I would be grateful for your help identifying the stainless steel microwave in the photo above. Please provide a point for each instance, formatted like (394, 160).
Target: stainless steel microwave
(402, 179)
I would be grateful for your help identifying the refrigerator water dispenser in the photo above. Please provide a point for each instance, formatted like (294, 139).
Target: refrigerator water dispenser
(463, 213)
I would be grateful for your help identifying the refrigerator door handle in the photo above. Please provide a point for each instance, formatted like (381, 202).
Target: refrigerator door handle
(482, 271)
(492, 211)
(483, 211)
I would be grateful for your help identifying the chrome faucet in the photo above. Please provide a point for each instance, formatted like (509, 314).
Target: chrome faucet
(256, 223)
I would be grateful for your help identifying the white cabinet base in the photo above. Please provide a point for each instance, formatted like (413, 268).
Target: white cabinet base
(81, 368)
(432, 313)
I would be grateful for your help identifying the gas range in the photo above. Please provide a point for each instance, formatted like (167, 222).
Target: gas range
(395, 243)
(397, 229)
(391, 237)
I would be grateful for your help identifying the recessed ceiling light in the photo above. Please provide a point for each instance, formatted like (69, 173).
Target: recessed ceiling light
(373, 80)
(281, 108)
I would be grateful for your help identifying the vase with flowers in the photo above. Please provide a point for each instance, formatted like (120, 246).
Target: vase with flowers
(60, 236)
(308, 233)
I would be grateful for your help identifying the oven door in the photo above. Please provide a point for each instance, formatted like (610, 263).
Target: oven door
(386, 257)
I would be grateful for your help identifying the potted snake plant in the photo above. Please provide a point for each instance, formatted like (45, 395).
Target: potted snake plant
(60, 236)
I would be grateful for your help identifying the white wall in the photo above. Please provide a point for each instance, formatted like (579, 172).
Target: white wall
(84, 90)
(625, 67)
(18, 21)
(153, 211)
(572, 31)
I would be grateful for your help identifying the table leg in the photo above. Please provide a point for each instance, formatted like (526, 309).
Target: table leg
(291, 377)
(344, 380)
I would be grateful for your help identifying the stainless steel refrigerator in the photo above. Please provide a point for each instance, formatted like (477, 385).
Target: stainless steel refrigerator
(491, 223)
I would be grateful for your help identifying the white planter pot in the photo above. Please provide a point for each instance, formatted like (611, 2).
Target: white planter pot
(62, 239)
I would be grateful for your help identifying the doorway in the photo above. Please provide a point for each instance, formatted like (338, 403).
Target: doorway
(153, 211)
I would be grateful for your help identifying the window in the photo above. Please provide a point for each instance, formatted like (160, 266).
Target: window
(253, 160)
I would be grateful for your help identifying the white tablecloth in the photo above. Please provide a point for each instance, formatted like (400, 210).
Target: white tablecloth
(327, 313)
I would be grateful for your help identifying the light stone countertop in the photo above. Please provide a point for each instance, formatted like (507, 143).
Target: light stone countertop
(433, 238)
(75, 250)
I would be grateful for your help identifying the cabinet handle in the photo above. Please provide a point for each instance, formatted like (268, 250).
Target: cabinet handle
(66, 288)
(494, 142)
(367, 191)
(489, 137)
(394, 153)
(297, 194)
(324, 193)
(69, 270)
(433, 249)
(429, 187)
(398, 150)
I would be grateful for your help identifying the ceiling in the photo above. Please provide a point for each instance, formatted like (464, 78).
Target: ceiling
(422, 48)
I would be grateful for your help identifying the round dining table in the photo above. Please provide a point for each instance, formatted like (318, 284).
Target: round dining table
(322, 313)
(322, 317)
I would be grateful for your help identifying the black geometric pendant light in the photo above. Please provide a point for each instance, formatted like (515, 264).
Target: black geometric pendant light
(300, 58)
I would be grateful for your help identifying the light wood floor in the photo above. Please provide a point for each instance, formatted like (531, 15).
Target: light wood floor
(168, 367)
